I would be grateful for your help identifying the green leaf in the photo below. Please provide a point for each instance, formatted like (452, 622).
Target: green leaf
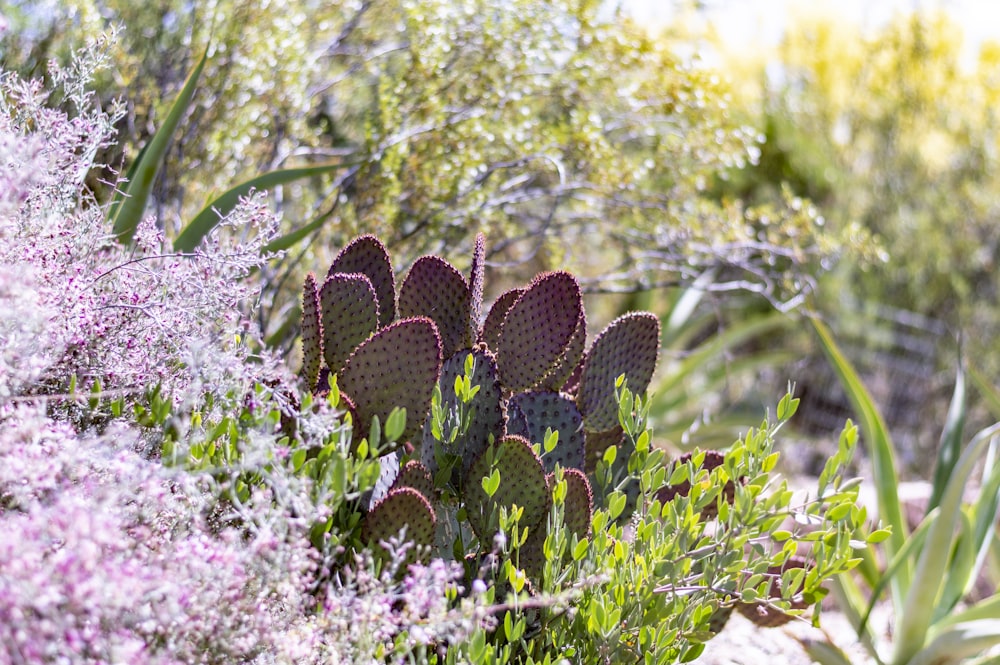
(395, 424)
(932, 569)
(950, 446)
(127, 210)
(881, 449)
(215, 210)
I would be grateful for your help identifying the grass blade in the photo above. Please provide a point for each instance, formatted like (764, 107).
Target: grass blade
(128, 210)
(882, 452)
(215, 210)
(951, 440)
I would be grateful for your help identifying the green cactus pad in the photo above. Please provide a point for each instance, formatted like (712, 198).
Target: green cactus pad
(630, 346)
(367, 255)
(595, 443)
(403, 507)
(436, 289)
(487, 418)
(565, 367)
(415, 475)
(312, 333)
(522, 482)
(537, 330)
(396, 367)
(579, 506)
(530, 414)
(490, 333)
(477, 278)
(348, 315)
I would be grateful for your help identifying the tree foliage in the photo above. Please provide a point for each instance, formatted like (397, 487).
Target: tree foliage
(561, 129)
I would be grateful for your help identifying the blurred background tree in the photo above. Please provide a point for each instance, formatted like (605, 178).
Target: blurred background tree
(894, 131)
(567, 133)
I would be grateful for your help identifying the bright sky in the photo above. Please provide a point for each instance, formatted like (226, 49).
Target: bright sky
(750, 22)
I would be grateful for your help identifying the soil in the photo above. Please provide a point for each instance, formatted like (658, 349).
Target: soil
(742, 643)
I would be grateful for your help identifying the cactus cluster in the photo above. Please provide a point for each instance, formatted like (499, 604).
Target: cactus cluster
(494, 402)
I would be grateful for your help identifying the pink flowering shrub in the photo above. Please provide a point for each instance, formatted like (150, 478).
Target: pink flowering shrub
(107, 553)
(128, 317)
(107, 557)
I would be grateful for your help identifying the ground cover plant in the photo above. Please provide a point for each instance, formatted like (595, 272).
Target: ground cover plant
(172, 493)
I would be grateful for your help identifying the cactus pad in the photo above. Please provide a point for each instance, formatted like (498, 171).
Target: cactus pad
(487, 419)
(395, 367)
(312, 333)
(567, 364)
(435, 289)
(415, 475)
(477, 278)
(595, 443)
(367, 255)
(490, 333)
(537, 330)
(530, 414)
(630, 346)
(403, 507)
(522, 482)
(579, 506)
(348, 314)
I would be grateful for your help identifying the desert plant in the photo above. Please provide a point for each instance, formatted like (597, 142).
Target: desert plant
(482, 398)
(929, 571)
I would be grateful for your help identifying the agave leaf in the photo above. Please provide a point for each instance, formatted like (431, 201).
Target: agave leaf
(988, 608)
(985, 513)
(951, 440)
(127, 212)
(913, 544)
(215, 210)
(850, 600)
(823, 652)
(959, 568)
(882, 452)
(959, 642)
(281, 243)
(987, 390)
(915, 615)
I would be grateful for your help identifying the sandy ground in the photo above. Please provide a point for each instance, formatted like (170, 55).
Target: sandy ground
(743, 643)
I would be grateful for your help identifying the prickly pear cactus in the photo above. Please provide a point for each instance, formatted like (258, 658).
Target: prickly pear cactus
(435, 289)
(348, 314)
(530, 414)
(486, 421)
(397, 367)
(630, 346)
(368, 256)
(522, 482)
(403, 508)
(490, 332)
(312, 333)
(537, 329)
